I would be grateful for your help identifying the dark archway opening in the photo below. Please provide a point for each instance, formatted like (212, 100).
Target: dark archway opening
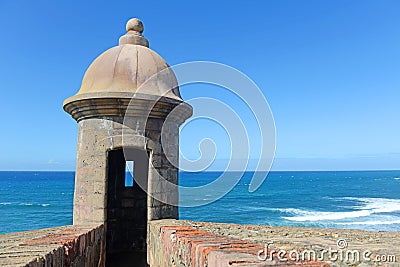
(126, 208)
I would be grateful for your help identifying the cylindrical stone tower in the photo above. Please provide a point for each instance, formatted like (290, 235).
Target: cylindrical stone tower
(128, 109)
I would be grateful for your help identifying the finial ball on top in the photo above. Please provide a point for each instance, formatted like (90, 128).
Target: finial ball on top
(134, 25)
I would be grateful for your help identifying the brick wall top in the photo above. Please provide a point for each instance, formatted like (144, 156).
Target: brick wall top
(185, 243)
(60, 246)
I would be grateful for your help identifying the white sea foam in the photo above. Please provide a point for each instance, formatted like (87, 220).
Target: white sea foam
(377, 205)
(370, 223)
(290, 210)
(364, 207)
(397, 178)
(24, 204)
(324, 215)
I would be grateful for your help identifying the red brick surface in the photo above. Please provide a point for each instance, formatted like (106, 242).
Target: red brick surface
(188, 246)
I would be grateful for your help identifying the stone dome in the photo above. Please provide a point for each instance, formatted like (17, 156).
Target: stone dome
(130, 67)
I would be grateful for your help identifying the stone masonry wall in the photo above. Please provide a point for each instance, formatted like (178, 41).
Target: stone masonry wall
(181, 244)
(97, 136)
(60, 246)
(177, 243)
(206, 244)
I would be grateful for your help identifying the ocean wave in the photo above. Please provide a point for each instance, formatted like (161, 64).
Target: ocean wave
(370, 223)
(397, 178)
(289, 210)
(326, 215)
(363, 207)
(376, 205)
(23, 204)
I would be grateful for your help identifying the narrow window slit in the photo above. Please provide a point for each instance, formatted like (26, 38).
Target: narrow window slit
(129, 173)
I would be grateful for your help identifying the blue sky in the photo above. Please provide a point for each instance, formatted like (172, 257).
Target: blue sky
(330, 71)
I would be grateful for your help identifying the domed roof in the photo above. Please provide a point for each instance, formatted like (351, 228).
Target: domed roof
(130, 67)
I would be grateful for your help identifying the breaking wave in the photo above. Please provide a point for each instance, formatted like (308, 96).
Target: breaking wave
(363, 207)
(23, 204)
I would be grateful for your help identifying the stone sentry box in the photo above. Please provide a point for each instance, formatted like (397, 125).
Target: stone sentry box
(128, 99)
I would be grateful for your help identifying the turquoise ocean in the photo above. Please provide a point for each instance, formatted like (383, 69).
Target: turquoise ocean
(368, 200)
